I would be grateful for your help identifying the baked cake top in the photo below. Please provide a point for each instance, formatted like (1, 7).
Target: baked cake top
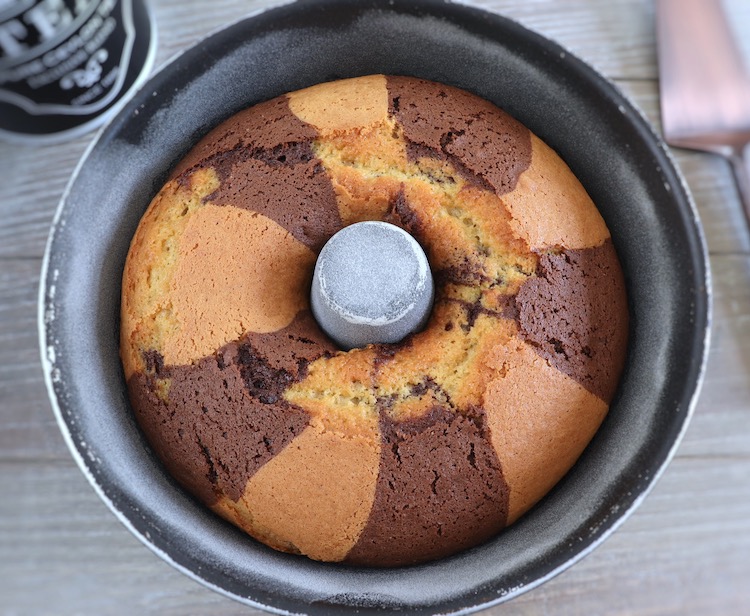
(388, 454)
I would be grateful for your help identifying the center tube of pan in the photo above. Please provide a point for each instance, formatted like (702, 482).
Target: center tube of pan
(372, 284)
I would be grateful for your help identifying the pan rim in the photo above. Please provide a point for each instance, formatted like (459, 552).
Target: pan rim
(46, 342)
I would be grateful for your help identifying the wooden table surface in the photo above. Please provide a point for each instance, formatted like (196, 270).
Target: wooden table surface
(686, 550)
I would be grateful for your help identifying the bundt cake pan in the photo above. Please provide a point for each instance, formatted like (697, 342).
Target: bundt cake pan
(605, 140)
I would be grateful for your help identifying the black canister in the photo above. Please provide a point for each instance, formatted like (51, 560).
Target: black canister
(66, 64)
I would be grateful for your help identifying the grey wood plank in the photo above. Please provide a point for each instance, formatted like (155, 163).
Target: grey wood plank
(714, 191)
(720, 423)
(682, 552)
(719, 427)
(68, 554)
(617, 39)
(709, 178)
(620, 39)
(40, 176)
(28, 429)
(37, 177)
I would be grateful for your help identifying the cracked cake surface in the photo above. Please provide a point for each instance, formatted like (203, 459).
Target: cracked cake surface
(386, 455)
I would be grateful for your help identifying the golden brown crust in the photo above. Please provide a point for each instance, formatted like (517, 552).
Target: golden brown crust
(314, 497)
(149, 268)
(340, 106)
(210, 301)
(540, 421)
(261, 289)
(550, 209)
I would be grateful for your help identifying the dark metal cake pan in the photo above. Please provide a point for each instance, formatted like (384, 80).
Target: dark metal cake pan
(597, 131)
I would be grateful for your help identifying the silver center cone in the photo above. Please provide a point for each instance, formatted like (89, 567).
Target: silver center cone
(372, 284)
